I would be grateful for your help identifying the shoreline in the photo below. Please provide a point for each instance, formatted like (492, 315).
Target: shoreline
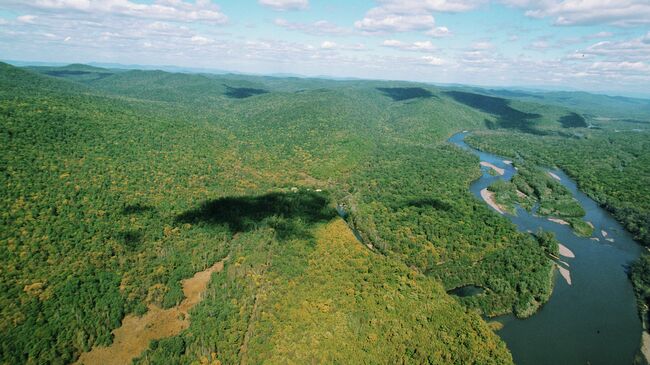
(553, 175)
(559, 221)
(566, 274)
(645, 344)
(498, 170)
(565, 251)
(488, 196)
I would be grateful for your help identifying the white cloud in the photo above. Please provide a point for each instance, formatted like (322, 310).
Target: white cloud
(423, 46)
(379, 20)
(419, 6)
(321, 27)
(172, 10)
(600, 35)
(624, 13)
(482, 45)
(646, 38)
(200, 40)
(621, 66)
(434, 61)
(630, 50)
(27, 18)
(411, 15)
(540, 45)
(284, 5)
(439, 32)
(328, 45)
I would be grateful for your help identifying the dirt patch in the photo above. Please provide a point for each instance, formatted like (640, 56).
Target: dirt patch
(498, 170)
(488, 196)
(134, 335)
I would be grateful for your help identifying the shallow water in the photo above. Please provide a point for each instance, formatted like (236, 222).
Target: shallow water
(466, 291)
(592, 321)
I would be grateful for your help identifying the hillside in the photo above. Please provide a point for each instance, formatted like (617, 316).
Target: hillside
(597, 108)
(119, 187)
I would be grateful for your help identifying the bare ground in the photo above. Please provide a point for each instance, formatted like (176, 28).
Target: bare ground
(488, 196)
(564, 251)
(133, 337)
(499, 170)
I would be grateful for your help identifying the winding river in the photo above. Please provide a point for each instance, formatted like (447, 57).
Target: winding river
(594, 319)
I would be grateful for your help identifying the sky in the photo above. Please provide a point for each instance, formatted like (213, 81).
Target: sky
(591, 45)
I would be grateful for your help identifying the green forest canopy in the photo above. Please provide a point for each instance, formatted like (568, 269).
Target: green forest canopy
(117, 185)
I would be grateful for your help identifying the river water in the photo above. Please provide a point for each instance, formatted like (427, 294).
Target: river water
(592, 321)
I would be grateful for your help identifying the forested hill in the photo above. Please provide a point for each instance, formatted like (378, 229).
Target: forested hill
(119, 184)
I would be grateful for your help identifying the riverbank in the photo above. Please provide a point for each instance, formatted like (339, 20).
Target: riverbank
(585, 271)
(488, 196)
(498, 170)
(564, 251)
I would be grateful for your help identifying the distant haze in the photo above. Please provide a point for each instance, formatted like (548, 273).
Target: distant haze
(597, 46)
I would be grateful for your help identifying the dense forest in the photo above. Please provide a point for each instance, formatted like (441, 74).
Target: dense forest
(117, 185)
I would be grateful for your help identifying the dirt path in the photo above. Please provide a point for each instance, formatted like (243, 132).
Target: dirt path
(133, 337)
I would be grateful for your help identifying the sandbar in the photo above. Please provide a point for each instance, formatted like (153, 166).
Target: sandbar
(564, 251)
(499, 170)
(559, 221)
(488, 196)
(566, 274)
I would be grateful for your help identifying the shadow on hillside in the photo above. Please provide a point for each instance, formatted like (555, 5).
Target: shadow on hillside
(405, 93)
(242, 92)
(71, 73)
(289, 214)
(136, 208)
(131, 239)
(513, 94)
(573, 120)
(507, 117)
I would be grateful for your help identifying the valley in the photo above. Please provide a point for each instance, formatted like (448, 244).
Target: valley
(119, 186)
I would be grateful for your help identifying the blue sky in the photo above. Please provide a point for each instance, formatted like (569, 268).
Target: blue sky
(592, 45)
